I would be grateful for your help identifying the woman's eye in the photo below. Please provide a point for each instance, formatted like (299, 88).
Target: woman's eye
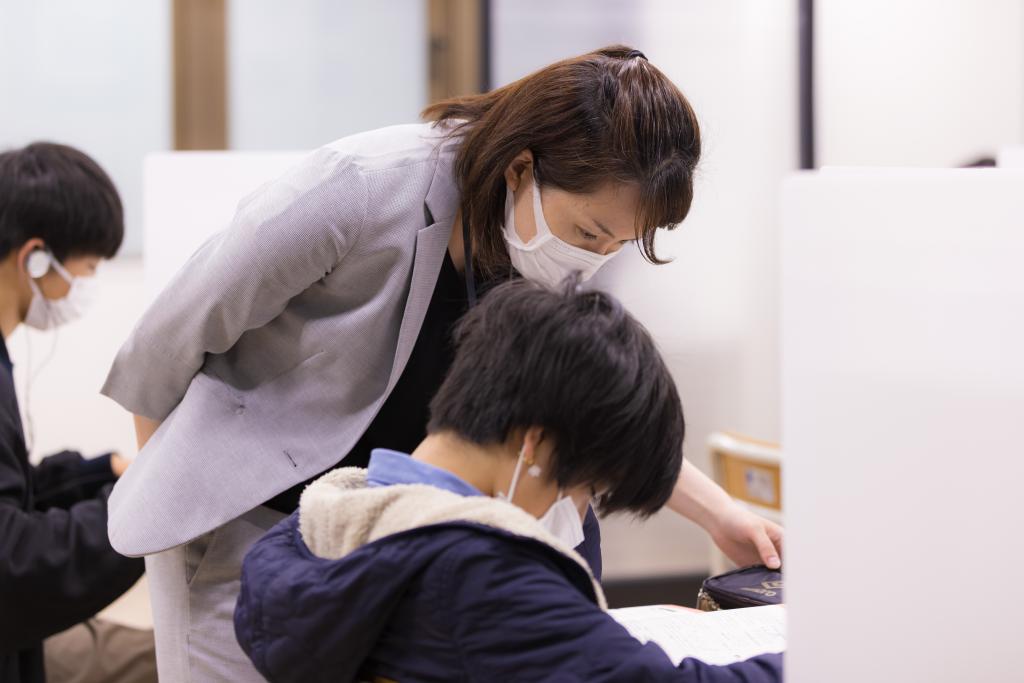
(587, 235)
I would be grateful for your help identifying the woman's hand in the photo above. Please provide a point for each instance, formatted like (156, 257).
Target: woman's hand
(744, 537)
(144, 428)
(747, 538)
(118, 465)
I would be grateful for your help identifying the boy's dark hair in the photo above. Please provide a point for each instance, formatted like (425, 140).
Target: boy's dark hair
(59, 194)
(577, 365)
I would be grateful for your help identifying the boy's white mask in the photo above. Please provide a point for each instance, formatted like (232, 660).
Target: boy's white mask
(46, 314)
(562, 519)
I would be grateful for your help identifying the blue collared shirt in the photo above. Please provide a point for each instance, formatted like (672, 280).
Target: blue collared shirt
(389, 467)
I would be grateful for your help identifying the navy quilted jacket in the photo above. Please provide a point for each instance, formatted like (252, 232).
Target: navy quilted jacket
(446, 602)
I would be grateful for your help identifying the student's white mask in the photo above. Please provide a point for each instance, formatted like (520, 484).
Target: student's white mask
(562, 519)
(545, 258)
(46, 314)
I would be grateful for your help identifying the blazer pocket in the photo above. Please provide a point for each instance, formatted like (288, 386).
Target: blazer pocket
(217, 386)
(197, 553)
(298, 404)
(292, 379)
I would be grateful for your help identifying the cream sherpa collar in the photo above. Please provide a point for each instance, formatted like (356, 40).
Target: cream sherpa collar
(339, 513)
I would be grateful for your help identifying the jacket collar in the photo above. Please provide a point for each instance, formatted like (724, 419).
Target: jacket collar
(440, 206)
(338, 514)
(442, 200)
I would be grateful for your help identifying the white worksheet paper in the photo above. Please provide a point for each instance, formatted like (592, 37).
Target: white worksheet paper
(721, 637)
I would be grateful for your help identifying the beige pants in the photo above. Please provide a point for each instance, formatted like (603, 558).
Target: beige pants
(193, 589)
(99, 651)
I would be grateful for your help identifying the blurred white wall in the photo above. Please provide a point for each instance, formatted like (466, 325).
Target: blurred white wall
(95, 75)
(306, 72)
(712, 310)
(918, 82)
(1011, 157)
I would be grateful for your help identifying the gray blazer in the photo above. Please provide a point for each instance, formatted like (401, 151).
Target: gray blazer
(271, 351)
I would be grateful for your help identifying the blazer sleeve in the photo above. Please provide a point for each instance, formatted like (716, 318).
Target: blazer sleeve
(516, 618)
(56, 567)
(284, 237)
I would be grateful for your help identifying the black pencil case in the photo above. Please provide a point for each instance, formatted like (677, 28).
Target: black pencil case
(745, 587)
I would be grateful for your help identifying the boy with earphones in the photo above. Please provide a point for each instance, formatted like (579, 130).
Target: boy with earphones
(60, 215)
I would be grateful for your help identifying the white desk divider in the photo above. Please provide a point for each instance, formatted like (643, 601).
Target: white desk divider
(902, 409)
(190, 196)
(1011, 157)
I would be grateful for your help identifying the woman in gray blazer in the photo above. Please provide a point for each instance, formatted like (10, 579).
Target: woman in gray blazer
(316, 327)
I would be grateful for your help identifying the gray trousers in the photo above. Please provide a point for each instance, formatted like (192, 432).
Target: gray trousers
(193, 589)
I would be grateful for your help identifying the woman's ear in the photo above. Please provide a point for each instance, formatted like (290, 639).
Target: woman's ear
(514, 171)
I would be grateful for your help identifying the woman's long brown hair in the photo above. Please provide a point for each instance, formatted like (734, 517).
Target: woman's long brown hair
(606, 116)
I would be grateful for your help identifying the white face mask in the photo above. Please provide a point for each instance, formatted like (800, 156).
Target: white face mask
(546, 259)
(46, 314)
(562, 519)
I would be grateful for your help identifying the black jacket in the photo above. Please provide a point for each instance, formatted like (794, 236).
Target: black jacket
(56, 565)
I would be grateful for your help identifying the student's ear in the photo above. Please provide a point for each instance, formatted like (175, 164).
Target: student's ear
(530, 442)
(540, 448)
(514, 171)
(26, 250)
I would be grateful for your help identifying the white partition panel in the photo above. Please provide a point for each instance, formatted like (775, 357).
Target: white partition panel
(902, 407)
(1011, 157)
(190, 196)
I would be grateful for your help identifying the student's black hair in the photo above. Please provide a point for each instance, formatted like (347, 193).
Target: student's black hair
(577, 365)
(59, 194)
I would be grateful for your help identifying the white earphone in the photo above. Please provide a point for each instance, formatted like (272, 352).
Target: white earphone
(38, 263)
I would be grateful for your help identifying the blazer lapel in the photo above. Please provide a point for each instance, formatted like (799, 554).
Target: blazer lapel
(431, 243)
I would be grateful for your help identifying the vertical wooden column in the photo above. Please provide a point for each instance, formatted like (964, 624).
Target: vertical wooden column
(200, 74)
(458, 47)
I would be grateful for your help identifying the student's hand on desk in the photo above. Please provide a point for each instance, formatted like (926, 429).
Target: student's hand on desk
(747, 538)
(118, 464)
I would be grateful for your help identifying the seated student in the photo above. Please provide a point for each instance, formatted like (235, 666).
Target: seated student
(457, 563)
(59, 216)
